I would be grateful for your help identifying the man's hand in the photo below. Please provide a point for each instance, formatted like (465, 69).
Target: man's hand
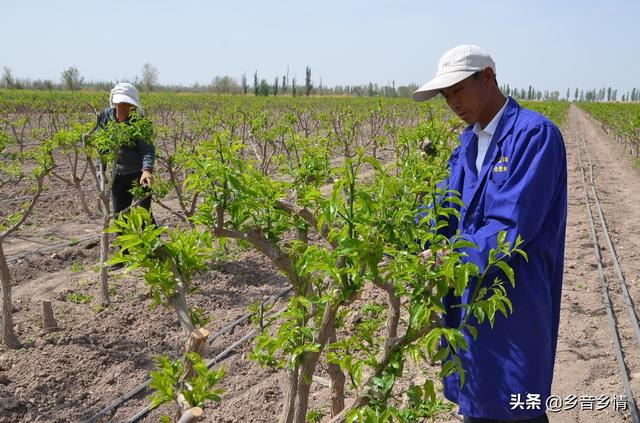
(145, 179)
(426, 255)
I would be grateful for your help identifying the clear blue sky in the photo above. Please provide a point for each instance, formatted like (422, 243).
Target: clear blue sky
(549, 44)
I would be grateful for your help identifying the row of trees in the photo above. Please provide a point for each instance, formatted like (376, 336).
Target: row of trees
(148, 80)
(285, 86)
(70, 79)
(595, 94)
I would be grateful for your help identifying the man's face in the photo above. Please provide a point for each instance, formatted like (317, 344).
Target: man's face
(468, 97)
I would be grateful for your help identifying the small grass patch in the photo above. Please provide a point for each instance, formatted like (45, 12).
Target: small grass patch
(315, 415)
(98, 308)
(79, 298)
(29, 343)
(112, 289)
(77, 267)
(85, 283)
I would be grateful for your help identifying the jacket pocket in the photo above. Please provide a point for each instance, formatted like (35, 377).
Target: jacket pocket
(499, 174)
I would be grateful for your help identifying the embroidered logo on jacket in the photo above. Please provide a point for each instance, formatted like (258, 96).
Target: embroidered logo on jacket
(502, 164)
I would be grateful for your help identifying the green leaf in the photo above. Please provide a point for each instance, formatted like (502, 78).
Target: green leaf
(507, 271)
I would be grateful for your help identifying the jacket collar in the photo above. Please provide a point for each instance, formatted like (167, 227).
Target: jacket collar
(469, 145)
(493, 124)
(504, 126)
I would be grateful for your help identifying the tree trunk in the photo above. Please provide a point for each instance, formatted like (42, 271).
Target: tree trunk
(104, 256)
(337, 383)
(83, 198)
(288, 408)
(48, 321)
(8, 334)
(191, 415)
(104, 200)
(310, 361)
(179, 303)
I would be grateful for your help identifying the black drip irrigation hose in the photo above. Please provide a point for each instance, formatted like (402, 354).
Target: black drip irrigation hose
(43, 195)
(605, 292)
(616, 264)
(75, 241)
(224, 354)
(51, 247)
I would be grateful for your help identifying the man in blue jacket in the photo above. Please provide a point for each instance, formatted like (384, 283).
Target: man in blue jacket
(510, 170)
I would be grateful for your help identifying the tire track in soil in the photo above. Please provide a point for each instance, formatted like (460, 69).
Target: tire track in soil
(585, 361)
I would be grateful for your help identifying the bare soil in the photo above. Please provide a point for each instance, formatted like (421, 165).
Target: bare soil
(585, 364)
(98, 355)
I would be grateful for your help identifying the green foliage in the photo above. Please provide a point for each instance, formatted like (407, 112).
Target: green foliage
(422, 404)
(18, 164)
(371, 236)
(556, 111)
(165, 255)
(294, 337)
(619, 119)
(79, 298)
(330, 191)
(106, 142)
(77, 267)
(199, 317)
(315, 415)
(168, 382)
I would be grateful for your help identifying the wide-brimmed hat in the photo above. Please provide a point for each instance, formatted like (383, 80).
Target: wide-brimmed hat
(124, 92)
(455, 65)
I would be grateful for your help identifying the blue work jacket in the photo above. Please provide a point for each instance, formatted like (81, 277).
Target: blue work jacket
(521, 188)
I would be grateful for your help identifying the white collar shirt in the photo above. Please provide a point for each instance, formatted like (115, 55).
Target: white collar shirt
(484, 136)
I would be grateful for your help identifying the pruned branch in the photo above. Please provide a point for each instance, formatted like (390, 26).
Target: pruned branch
(307, 216)
(27, 212)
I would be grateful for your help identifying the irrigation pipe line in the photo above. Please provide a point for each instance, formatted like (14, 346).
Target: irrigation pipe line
(44, 195)
(51, 247)
(11, 259)
(229, 327)
(616, 264)
(54, 193)
(605, 292)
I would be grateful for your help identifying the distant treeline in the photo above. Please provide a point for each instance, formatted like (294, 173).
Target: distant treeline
(70, 79)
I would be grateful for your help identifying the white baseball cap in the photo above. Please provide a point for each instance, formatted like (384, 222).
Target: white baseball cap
(124, 92)
(455, 65)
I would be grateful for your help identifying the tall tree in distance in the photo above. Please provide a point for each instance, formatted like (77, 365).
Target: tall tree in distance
(294, 90)
(255, 83)
(7, 78)
(244, 83)
(264, 88)
(149, 77)
(275, 86)
(71, 78)
(307, 81)
(224, 84)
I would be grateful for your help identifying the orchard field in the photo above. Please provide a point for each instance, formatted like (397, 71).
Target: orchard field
(297, 213)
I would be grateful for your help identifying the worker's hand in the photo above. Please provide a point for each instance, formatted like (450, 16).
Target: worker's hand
(426, 255)
(145, 179)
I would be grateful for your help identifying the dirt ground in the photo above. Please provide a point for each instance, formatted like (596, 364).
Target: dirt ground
(585, 363)
(71, 374)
